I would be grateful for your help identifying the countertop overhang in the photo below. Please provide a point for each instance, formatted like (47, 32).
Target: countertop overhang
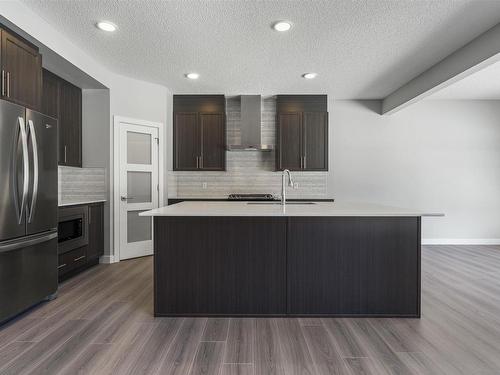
(320, 209)
(77, 203)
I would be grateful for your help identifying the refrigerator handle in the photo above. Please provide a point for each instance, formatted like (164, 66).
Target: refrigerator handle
(34, 146)
(26, 171)
(25, 242)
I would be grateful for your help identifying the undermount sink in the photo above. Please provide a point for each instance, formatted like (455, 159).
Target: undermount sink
(287, 203)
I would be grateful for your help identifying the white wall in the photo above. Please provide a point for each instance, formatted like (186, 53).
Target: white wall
(95, 145)
(95, 128)
(438, 156)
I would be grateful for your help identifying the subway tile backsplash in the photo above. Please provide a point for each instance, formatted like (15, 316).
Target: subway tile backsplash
(81, 184)
(247, 171)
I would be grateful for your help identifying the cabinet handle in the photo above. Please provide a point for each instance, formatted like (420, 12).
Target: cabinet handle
(3, 82)
(61, 265)
(201, 162)
(304, 162)
(79, 258)
(8, 84)
(197, 162)
(65, 154)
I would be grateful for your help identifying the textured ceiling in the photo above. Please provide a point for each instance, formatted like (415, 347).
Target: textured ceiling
(482, 85)
(360, 49)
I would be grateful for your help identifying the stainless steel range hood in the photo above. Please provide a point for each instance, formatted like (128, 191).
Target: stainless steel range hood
(251, 134)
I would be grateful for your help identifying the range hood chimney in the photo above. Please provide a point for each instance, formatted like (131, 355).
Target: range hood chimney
(251, 135)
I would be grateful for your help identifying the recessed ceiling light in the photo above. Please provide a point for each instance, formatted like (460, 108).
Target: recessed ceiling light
(192, 75)
(309, 75)
(282, 26)
(106, 26)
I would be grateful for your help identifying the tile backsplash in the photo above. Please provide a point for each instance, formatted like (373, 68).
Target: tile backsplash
(247, 171)
(81, 184)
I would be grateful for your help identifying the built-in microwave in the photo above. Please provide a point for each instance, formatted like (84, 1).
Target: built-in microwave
(72, 229)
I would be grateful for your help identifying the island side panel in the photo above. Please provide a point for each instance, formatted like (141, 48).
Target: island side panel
(390, 272)
(220, 266)
(362, 266)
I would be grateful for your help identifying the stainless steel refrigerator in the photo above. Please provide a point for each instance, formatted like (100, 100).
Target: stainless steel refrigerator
(28, 208)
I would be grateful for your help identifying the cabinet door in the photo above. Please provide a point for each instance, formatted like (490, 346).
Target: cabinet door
(50, 94)
(315, 143)
(22, 72)
(96, 231)
(212, 141)
(289, 155)
(70, 124)
(220, 265)
(324, 278)
(186, 141)
(357, 266)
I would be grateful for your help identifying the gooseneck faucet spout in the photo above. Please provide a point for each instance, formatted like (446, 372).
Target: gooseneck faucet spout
(283, 185)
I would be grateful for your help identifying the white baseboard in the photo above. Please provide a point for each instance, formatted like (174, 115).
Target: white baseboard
(460, 241)
(107, 259)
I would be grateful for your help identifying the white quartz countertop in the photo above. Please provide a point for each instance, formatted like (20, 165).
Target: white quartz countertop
(76, 203)
(210, 208)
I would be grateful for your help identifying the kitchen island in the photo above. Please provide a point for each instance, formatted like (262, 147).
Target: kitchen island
(308, 259)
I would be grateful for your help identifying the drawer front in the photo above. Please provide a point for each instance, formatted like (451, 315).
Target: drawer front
(72, 259)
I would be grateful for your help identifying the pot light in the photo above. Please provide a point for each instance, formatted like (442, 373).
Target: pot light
(282, 26)
(192, 75)
(309, 75)
(106, 26)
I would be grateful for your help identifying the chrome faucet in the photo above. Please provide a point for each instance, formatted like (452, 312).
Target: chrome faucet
(283, 187)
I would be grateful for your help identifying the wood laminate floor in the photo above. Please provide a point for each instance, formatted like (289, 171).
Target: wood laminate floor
(102, 323)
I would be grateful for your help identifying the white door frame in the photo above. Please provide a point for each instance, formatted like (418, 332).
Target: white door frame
(115, 204)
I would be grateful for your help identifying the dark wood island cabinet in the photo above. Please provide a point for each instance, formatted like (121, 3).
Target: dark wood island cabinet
(237, 273)
(285, 264)
(354, 266)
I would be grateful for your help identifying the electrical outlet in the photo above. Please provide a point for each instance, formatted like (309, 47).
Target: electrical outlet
(295, 185)
(204, 185)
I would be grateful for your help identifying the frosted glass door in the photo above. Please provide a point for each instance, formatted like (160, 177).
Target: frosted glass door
(138, 188)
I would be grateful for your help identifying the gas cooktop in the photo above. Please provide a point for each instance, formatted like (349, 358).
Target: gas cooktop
(251, 197)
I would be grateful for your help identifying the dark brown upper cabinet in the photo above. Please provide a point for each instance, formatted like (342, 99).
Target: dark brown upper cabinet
(213, 147)
(302, 133)
(70, 124)
(50, 97)
(63, 101)
(199, 133)
(21, 65)
(187, 148)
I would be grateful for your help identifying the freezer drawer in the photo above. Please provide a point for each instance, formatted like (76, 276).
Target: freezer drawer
(28, 272)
